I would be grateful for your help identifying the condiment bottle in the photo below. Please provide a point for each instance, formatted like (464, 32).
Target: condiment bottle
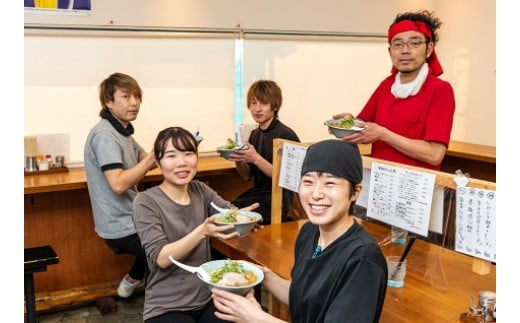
(49, 160)
(59, 161)
(487, 300)
(42, 162)
(43, 165)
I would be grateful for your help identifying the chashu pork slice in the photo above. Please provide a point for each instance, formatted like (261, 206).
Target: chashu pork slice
(232, 279)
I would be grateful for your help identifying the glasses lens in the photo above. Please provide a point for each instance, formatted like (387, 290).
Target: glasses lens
(400, 45)
(396, 45)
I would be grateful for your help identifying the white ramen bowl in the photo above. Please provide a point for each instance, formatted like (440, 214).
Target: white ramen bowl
(243, 228)
(340, 132)
(241, 290)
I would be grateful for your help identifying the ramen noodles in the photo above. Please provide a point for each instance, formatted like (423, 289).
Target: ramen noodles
(345, 123)
(234, 216)
(232, 273)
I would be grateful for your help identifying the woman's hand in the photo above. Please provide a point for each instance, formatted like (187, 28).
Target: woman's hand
(236, 308)
(211, 229)
(251, 207)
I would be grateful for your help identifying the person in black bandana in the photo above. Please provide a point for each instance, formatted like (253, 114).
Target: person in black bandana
(114, 164)
(339, 272)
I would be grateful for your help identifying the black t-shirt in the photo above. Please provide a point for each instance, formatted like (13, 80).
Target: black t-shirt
(346, 282)
(262, 140)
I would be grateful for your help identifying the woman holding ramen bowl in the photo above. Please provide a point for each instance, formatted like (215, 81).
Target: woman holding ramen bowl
(175, 219)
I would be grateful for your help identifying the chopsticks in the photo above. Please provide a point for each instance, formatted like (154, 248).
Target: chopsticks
(30, 147)
(403, 256)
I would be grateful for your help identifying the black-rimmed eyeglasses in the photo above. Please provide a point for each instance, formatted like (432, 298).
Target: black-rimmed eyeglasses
(413, 44)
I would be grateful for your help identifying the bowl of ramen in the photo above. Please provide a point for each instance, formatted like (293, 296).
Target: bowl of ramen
(224, 152)
(345, 126)
(227, 149)
(243, 221)
(236, 276)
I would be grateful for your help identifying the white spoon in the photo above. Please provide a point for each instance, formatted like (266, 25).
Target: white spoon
(196, 132)
(204, 274)
(218, 208)
(356, 128)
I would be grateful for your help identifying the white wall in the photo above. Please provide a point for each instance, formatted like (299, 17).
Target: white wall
(371, 16)
(188, 81)
(467, 50)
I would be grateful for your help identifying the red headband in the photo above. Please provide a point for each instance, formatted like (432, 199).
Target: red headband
(420, 26)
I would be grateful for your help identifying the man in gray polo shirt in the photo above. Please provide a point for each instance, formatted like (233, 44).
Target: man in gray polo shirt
(115, 163)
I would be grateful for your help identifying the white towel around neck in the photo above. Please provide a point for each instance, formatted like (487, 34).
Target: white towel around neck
(403, 91)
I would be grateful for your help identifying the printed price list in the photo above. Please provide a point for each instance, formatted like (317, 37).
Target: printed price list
(401, 197)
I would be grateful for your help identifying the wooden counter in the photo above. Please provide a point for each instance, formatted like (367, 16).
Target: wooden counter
(76, 178)
(477, 160)
(474, 152)
(437, 285)
(57, 212)
(214, 165)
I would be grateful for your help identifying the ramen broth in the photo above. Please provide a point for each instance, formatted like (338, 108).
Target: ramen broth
(232, 273)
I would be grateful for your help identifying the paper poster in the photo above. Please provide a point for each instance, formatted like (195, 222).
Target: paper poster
(57, 6)
(401, 197)
(437, 211)
(476, 223)
(363, 197)
(291, 166)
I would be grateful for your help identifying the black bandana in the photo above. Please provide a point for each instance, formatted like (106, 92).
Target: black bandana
(127, 132)
(336, 157)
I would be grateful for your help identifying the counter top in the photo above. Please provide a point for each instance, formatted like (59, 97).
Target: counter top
(472, 151)
(458, 149)
(76, 178)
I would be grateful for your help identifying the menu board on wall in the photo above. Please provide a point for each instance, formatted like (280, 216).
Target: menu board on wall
(476, 223)
(290, 169)
(401, 197)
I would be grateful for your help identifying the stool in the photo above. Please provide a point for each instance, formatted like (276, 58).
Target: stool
(35, 260)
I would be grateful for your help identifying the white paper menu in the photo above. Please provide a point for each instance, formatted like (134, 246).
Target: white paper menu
(291, 167)
(401, 197)
(363, 197)
(476, 223)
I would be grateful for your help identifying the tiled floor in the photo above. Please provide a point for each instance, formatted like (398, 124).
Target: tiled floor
(129, 310)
